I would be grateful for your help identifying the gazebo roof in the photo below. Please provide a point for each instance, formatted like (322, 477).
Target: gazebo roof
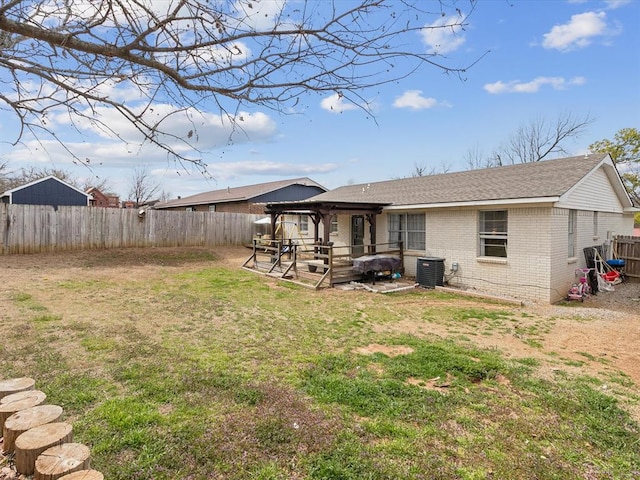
(325, 207)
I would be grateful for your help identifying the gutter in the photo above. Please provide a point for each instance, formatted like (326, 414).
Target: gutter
(476, 203)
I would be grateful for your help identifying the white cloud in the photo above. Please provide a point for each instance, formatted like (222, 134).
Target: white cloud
(613, 4)
(205, 130)
(577, 33)
(228, 170)
(336, 104)
(260, 15)
(444, 35)
(94, 154)
(414, 100)
(557, 83)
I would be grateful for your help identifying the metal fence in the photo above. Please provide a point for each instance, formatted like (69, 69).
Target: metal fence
(36, 228)
(628, 249)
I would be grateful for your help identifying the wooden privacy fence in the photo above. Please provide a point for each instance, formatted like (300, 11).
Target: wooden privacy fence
(628, 249)
(36, 228)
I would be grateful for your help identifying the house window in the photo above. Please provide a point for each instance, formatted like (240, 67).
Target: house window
(334, 224)
(595, 224)
(212, 208)
(493, 233)
(190, 209)
(571, 237)
(303, 223)
(408, 228)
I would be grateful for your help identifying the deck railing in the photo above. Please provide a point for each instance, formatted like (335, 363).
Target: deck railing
(312, 265)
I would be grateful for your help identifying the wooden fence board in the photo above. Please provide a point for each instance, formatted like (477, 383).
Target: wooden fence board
(628, 248)
(36, 228)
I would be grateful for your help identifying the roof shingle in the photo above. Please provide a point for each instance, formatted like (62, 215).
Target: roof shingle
(549, 178)
(236, 194)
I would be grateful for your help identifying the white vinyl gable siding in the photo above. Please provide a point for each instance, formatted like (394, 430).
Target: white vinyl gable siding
(595, 192)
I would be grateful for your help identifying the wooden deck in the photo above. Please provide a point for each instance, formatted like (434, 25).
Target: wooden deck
(314, 266)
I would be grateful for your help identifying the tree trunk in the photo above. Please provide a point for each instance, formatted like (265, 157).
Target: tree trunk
(19, 401)
(27, 419)
(61, 460)
(35, 441)
(14, 385)
(84, 475)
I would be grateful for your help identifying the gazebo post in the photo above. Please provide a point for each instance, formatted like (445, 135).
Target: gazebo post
(326, 226)
(316, 233)
(371, 218)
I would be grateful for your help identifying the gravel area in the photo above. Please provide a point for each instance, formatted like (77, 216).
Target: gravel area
(624, 298)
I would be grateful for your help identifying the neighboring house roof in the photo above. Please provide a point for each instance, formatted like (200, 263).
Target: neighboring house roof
(9, 193)
(237, 194)
(545, 181)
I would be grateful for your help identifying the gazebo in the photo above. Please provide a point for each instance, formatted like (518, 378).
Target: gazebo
(322, 211)
(323, 262)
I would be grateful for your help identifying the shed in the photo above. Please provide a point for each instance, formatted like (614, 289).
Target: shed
(246, 199)
(46, 191)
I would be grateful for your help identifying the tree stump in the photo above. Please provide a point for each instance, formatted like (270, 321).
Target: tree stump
(35, 441)
(19, 401)
(20, 395)
(14, 385)
(61, 460)
(83, 475)
(27, 419)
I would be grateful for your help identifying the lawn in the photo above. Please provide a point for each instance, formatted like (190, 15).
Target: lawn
(176, 364)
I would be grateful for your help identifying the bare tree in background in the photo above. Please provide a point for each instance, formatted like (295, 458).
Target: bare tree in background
(152, 61)
(164, 196)
(537, 140)
(475, 159)
(422, 170)
(31, 174)
(102, 184)
(5, 177)
(143, 188)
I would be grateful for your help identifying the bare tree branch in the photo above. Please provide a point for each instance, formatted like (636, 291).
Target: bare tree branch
(191, 55)
(539, 139)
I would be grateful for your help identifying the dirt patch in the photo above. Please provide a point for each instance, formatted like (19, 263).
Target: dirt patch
(438, 384)
(388, 350)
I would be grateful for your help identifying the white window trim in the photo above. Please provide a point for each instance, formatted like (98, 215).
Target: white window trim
(404, 231)
(303, 226)
(482, 236)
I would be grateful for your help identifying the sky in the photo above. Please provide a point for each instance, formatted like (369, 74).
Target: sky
(533, 60)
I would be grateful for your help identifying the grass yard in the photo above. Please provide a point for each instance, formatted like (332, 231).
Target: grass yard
(176, 364)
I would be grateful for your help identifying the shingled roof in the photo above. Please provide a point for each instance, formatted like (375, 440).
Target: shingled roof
(545, 179)
(237, 194)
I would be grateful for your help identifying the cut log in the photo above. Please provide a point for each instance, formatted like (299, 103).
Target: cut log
(61, 460)
(19, 401)
(35, 441)
(14, 385)
(14, 397)
(84, 475)
(27, 419)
